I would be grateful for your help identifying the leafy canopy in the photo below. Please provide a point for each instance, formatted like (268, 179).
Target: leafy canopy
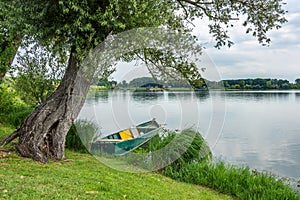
(83, 24)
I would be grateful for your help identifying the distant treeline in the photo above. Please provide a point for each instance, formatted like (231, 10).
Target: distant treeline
(254, 84)
(235, 84)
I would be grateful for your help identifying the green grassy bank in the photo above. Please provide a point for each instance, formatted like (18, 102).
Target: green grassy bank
(81, 176)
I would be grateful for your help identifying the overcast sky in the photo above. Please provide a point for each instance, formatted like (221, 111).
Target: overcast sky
(246, 58)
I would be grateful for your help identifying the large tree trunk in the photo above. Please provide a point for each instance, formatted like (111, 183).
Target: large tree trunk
(42, 135)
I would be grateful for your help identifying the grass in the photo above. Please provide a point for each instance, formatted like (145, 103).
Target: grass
(81, 176)
(195, 167)
(237, 181)
(5, 130)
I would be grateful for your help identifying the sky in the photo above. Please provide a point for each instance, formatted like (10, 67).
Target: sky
(246, 58)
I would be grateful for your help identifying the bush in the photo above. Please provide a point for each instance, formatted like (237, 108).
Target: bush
(172, 150)
(80, 135)
(8, 97)
(12, 110)
(18, 115)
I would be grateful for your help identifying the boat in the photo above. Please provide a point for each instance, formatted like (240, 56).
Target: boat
(124, 141)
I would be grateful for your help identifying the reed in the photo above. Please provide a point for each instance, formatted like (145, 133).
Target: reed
(195, 166)
(241, 182)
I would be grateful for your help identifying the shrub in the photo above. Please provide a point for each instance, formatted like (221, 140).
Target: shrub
(80, 135)
(8, 97)
(12, 110)
(18, 115)
(172, 150)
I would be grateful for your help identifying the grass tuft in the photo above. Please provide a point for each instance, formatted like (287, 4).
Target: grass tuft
(196, 167)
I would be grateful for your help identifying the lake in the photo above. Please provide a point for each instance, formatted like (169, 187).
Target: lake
(260, 129)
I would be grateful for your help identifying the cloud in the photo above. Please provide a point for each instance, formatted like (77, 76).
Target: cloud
(248, 59)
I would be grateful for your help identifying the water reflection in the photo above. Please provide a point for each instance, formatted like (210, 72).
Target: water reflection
(202, 95)
(297, 95)
(145, 97)
(261, 128)
(256, 95)
(188, 95)
(103, 96)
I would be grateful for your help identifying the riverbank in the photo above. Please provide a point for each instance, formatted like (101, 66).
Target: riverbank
(81, 176)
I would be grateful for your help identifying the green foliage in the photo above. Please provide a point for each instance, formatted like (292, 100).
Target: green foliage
(9, 99)
(83, 24)
(138, 82)
(18, 115)
(187, 146)
(240, 182)
(172, 150)
(196, 167)
(171, 83)
(253, 84)
(297, 81)
(260, 17)
(80, 135)
(9, 41)
(13, 110)
(38, 74)
(73, 140)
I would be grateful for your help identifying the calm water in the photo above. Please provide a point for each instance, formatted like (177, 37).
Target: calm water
(260, 129)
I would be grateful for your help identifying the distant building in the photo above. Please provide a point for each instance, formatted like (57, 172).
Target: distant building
(152, 85)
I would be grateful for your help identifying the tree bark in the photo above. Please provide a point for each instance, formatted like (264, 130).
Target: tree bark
(42, 135)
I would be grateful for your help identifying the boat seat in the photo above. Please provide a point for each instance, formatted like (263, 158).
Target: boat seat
(126, 134)
(135, 132)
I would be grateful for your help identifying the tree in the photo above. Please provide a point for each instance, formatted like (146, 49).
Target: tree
(37, 75)
(297, 81)
(9, 41)
(138, 82)
(77, 26)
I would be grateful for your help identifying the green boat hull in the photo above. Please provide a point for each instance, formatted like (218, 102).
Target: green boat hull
(112, 144)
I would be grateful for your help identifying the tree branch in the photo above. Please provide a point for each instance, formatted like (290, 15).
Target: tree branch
(145, 59)
(184, 8)
(10, 138)
(199, 4)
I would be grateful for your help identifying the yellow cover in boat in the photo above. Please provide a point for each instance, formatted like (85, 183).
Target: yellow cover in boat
(126, 135)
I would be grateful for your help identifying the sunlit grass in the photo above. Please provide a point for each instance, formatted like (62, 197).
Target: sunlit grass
(83, 177)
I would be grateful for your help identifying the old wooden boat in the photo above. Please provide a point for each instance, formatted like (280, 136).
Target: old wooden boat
(124, 141)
